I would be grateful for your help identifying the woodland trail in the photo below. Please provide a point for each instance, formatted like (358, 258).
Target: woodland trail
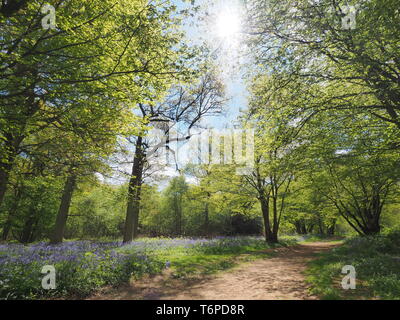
(280, 277)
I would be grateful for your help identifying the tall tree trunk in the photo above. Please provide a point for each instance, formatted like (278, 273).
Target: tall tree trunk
(275, 226)
(61, 221)
(264, 201)
(131, 228)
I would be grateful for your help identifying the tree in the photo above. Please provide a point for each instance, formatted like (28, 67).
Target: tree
(92, 61)
(174, 195)
(314, 41)
(202, 192)
(185, 105)
(351, 169)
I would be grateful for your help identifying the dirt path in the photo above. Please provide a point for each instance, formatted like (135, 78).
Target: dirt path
(278, 278)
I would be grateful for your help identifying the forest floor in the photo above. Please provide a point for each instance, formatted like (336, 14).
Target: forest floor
(280, 277)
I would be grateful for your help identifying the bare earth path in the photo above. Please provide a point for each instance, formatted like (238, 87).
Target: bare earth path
(278, 278)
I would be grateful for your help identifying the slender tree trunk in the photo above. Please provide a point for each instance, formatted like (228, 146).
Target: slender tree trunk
(275, 226)
(131, 228)
(264, 201)
(61, 221)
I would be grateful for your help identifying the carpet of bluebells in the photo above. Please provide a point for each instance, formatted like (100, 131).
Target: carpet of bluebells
(84, 266)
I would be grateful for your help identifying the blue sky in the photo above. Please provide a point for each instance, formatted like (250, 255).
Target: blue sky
(228, 57)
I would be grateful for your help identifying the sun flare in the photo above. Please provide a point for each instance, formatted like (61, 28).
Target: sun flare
(228, 24)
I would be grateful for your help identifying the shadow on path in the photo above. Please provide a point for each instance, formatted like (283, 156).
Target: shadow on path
(278, 278)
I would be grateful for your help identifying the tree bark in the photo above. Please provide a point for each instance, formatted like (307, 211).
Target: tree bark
(269, 237)
(131, 229)
(275, 226)
(61, 221)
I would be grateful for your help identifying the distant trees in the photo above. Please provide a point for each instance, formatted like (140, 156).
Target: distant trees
(174, 205)
(181, 205)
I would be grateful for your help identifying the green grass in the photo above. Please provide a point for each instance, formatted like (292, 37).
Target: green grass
(186, 263)
(322, 238)
(377, 263)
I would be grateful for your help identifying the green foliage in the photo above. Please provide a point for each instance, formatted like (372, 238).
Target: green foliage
(29, 214)
(97, 211)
